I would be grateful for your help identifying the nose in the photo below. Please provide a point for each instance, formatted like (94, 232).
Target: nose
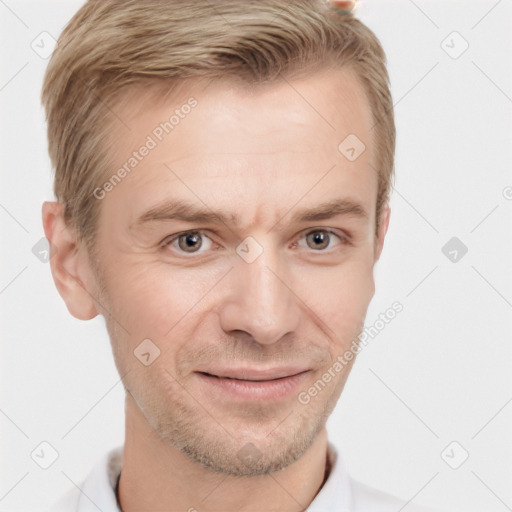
(259, 299)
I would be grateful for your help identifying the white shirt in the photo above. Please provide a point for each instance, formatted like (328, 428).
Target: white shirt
(340, 492)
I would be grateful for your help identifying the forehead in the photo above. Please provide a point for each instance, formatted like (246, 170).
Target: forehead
(221, 140)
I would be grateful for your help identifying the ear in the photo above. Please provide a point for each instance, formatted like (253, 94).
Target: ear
(383, 229)
(69, 264)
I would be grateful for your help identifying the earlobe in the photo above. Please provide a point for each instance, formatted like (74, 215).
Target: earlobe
(69, 263)
(383, 228)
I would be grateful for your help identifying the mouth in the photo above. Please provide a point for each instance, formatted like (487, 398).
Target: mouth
(248, 380)
(251, 385)
(253, 373)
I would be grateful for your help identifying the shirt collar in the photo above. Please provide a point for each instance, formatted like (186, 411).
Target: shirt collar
(335, 494)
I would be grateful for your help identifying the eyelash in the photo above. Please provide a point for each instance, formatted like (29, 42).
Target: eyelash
(344, 240)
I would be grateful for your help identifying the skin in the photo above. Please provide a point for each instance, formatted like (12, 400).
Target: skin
(261, 153)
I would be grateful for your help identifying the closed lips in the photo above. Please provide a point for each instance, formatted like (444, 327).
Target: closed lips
(253, 375)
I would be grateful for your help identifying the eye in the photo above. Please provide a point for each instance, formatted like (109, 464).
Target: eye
(188, 242)
(320, 239)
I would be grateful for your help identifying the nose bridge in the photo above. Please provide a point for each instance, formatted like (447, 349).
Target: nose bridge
(261, 304)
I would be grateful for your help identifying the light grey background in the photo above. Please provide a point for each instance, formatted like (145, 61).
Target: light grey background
(439, 372)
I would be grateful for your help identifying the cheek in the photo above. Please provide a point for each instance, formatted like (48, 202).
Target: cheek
(340, 296)
(152, 299)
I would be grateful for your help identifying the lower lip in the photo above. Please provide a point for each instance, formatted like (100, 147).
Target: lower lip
(256, 390)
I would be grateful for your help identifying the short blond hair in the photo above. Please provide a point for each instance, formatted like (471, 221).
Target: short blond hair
(110, 46)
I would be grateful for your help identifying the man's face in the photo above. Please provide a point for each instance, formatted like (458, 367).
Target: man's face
(264, 296)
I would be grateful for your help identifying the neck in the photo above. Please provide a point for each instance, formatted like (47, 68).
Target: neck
(156, 476)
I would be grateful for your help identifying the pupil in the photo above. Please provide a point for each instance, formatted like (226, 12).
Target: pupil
(319, 239)
(190, 241)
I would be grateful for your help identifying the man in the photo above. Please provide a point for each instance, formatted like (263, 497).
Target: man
(222, 181)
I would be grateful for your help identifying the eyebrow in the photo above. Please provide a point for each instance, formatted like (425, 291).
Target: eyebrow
(188, 212)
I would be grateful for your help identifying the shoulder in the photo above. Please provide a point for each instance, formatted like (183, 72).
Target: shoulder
(366, 498)
(344, 493)
(97, 491)
(68, 502)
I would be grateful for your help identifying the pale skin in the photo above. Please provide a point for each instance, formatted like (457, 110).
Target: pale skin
(262, 154)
